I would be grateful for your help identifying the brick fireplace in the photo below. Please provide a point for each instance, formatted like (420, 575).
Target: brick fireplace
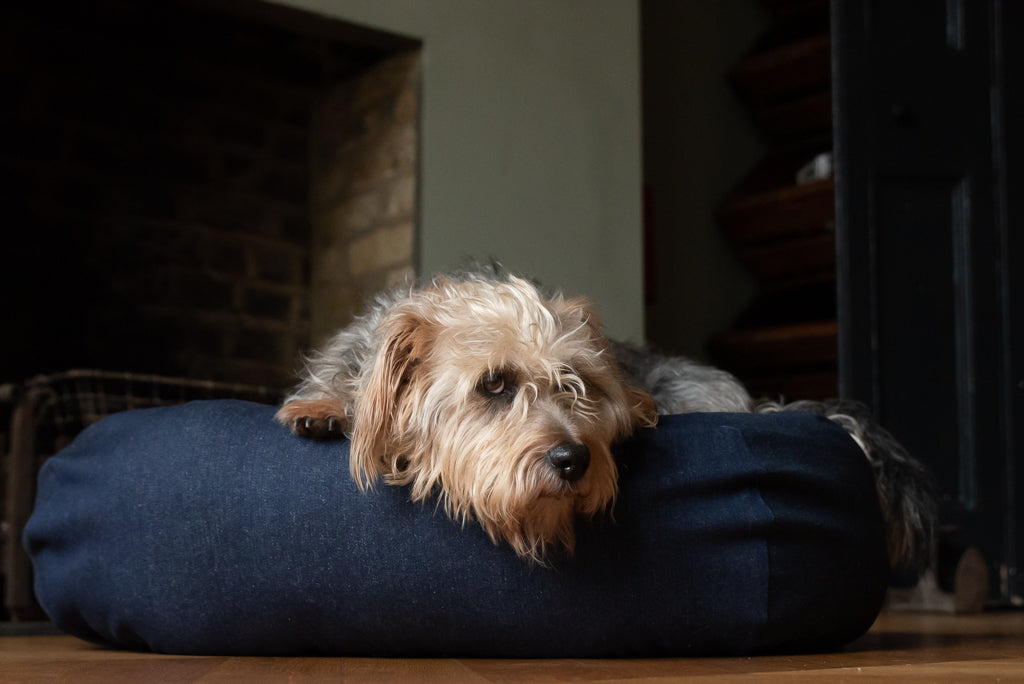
(198, 189)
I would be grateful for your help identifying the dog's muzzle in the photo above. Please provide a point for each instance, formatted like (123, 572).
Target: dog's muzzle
(570, 461)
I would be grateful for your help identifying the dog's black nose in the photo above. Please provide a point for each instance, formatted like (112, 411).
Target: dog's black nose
(570, 460)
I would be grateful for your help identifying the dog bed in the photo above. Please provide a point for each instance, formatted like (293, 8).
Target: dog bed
(207, 528)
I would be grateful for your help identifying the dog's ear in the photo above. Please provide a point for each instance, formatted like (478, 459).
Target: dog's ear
(583, 309)
(643, 410)
(381, 384)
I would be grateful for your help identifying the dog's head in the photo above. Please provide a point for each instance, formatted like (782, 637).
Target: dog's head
(501, 401)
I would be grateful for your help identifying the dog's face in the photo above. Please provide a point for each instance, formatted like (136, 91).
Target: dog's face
(503, 403)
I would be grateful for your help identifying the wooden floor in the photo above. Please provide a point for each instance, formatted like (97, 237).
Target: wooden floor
(900, 646)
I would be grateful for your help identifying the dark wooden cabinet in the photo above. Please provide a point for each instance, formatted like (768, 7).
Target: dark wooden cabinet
(928, 129)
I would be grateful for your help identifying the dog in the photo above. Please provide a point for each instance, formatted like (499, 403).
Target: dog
(505, 402)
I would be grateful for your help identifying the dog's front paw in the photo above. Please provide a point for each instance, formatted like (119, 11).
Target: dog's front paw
(314, 418)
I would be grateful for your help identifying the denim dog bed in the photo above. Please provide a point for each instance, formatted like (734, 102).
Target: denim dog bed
(207, 528)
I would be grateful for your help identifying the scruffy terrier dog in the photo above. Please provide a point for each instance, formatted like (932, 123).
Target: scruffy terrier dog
(505, 403)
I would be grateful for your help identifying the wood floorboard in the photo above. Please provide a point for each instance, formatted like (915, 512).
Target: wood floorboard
(903, 647)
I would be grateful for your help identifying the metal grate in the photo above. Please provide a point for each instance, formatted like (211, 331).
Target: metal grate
(67, 403)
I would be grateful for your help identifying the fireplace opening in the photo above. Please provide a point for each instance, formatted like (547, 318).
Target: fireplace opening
(196, 192)
(198, 189)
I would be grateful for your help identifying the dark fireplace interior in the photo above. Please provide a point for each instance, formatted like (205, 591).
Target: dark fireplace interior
(196, 191)
(165, 169)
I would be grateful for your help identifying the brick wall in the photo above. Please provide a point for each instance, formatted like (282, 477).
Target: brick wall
(161, 174)
(363, 192)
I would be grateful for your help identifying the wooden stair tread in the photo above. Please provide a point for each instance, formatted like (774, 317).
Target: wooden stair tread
(785, 71)
(770, 214)
(797, 119)
(807, 344)
(807, 258)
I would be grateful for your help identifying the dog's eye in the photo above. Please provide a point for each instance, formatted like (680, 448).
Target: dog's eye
(497, 385)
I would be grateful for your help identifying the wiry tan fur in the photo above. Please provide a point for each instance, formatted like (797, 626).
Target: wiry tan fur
(412, 383)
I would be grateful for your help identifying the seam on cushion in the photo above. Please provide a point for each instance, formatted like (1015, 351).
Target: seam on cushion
(770, 522)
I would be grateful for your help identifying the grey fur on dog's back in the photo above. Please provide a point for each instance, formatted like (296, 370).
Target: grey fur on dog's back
(680, 385)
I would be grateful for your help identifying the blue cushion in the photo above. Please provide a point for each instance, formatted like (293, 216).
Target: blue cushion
(208, 528)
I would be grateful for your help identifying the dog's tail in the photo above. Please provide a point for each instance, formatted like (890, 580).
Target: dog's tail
(906, 490)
